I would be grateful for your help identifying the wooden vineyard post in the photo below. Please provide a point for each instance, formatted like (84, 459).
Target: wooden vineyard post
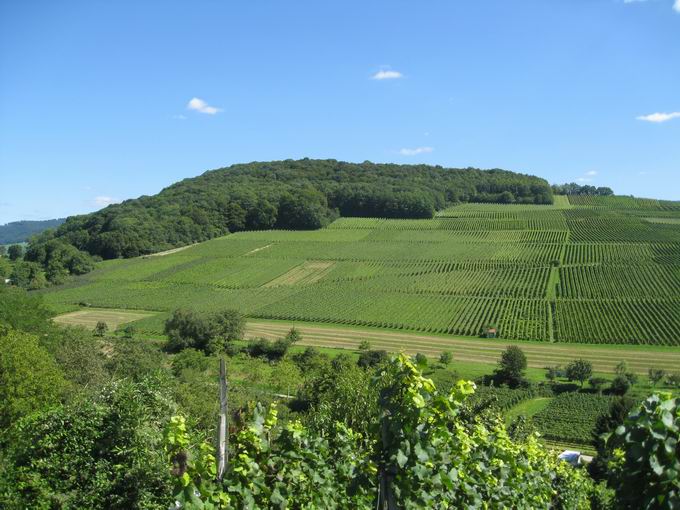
(223, 440)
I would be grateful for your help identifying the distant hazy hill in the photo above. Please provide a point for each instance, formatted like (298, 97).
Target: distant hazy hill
(21, 231)
(291, 195)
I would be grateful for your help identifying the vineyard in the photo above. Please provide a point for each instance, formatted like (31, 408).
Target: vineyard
(571, 417)
(586, 269)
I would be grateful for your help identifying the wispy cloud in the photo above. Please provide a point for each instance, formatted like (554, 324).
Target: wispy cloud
(591, 173)
(416, 151)
(387, 74)
(660, 117)
(103, 201)
(583, 179)
(201, 106)
(179, 117)
(676, 3)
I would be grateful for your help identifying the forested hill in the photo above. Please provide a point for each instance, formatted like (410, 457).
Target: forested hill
(304, 194)
(21, 231)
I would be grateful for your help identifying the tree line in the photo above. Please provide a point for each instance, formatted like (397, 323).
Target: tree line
(576, 189)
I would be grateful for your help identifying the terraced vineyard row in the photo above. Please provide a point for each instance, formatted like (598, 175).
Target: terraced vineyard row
(619, 282)
(651, 322)
(571, 417)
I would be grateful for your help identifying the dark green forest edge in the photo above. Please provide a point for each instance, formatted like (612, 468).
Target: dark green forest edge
(100, 420)
(293, 195)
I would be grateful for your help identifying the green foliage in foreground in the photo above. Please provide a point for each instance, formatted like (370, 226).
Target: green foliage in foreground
(422, 455)
(101, 452)
(646, 467)
(29, 377)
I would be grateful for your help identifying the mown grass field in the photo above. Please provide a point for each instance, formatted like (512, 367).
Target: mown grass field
(587, 270)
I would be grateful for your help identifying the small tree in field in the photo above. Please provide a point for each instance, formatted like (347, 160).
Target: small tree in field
(579, 370)
(511, 366)
(445, 358)
(293, 336)
(597, 383)
(621, 368)
(100, 329)
(620, 385)
(129, 331)
(655, 375)
(673, 379)
(420, 359)
(364, 345)
(553, 372)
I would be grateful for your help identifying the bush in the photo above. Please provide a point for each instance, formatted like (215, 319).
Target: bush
(29, 378)
(372, 358)
(645, 470)
(619, 386)
(420, 359)
(100, 329)
(102, 452)
(210, 333)
(445, 358)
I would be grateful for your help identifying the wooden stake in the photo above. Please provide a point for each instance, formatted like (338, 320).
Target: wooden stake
(223, 442)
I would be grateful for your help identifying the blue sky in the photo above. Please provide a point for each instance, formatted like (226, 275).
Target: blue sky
(96, 96)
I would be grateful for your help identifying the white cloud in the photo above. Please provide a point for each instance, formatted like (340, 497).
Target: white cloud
(676, 4)
(583, 179)
(103, 201)
(416, 151)
(201, 106)
(386, 74)
(179, 117)
(659, 117)
(591, 172)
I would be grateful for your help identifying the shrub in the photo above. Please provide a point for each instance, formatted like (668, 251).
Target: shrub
(645, 470)
(101, 328)
(445, 358)
(372, 358)
(620, 385)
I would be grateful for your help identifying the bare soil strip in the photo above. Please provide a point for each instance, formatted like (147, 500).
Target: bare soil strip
(258, 249)
(604, 358)
(90, 318)
(308, 272)
(167, 252)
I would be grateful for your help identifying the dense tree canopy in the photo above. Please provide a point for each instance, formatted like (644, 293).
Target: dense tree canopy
(305, 194)
(576, 189)
(21, 231)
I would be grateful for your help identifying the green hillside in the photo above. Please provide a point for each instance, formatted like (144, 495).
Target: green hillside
(21, 231)
(585, 269)
(297, 195)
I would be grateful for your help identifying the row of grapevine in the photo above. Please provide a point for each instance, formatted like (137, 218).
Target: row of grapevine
(571, 417)
(512, 281)
(613, 282)
(623, 202)
(618, 321)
